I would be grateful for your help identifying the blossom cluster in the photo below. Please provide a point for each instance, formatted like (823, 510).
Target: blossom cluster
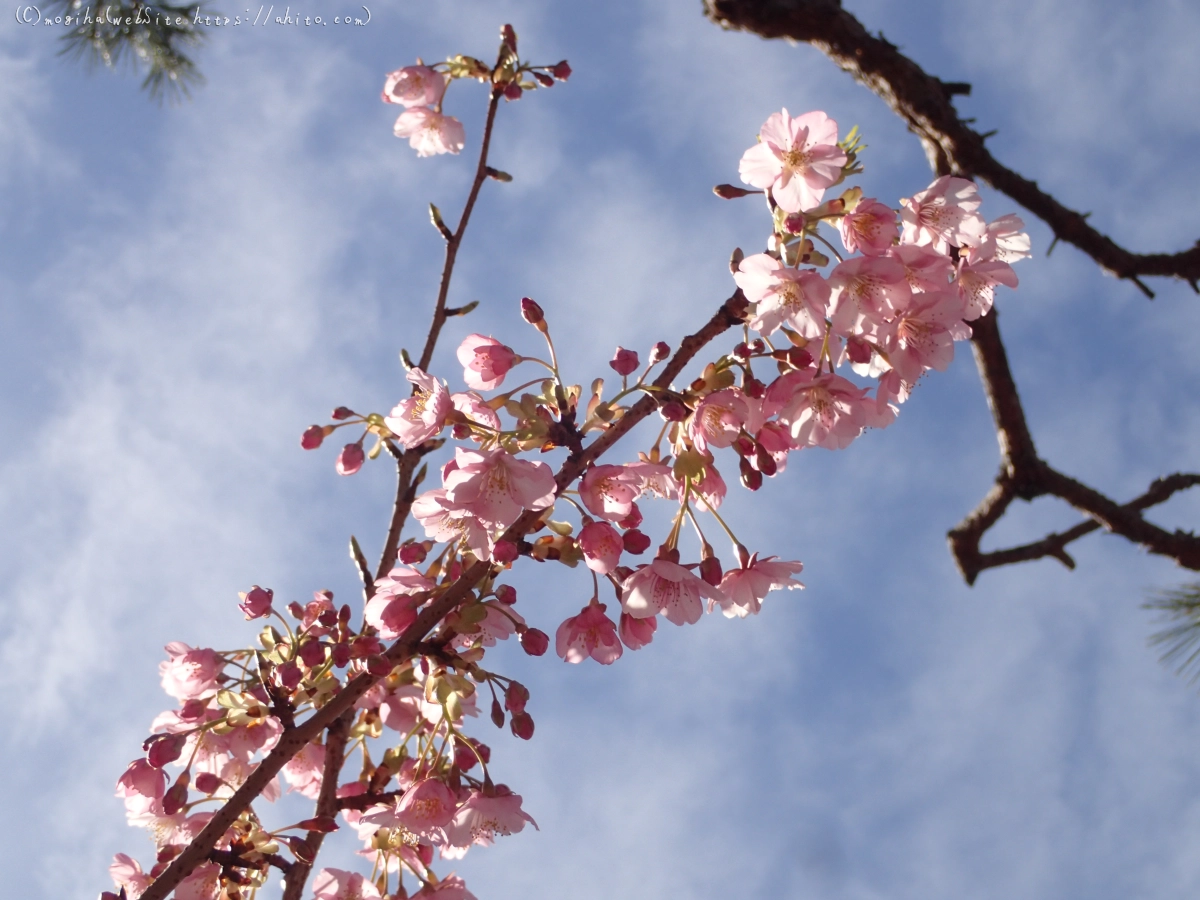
(904, 291)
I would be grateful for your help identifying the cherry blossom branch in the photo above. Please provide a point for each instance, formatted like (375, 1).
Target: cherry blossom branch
(327, 803)
(924, 102)
(293, 740)
(406, 492)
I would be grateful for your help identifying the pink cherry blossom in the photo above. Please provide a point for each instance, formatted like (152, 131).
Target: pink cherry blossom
(444, 521)
(1005, 240)
(602, 546)
(485, 361)
(826, 411)
(944, 215)
(190, 673)
(745, 588)
(922, 336)
(609, 491)
(414, 86)
(496, 487)
(710, 490)
(474, 408)
(142, 781)
(869, 228)
(591, 633)
(977, 282)
(924, 268)
(798, 298)
(429, 132)
(636, 633)
(668, 588)
(127, 873)
(718, 419)
(795, 159)
(339, 884)
(651, 478)
(481, 818)
(866, 289)
(304, 770)
(426, 807)
(499, 623)
(422, 415)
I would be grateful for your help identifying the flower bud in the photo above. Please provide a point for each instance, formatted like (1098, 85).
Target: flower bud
(341, 654)
(673, 411)
(207, 783)
(535, 641)
(413, 553)
(506, 594)
(313, 653)
(660, 351)
(794, 223)
(710, 570)
(751, 477)
(504, 552)
(543, 79)
(163, 748)
(633, 520)
(378, 666)
(800, 358)
(635, 541)
(328, 618)
(858, 350)
(256, 603)
(731, 191)
(754, 388)
(175, 798)
(350, 460)
(515, 697)
(624, 362)
(289, 675)
(765, 461)
(342, 412)
(312, 437)
(531, 312)
(561, 70)
(508, 37)
(522, 725)
(512, 91)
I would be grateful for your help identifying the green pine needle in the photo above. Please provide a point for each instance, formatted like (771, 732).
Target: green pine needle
(1180, 641)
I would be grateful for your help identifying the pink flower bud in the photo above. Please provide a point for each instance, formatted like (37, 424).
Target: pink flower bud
(163, 748)
(561, 70)
(752, 387)
(633, 520)
(751, 477)
(506, 594)
(350, 460)
(635, 541)
(289, 675)
(535, 641)
(512, 91)
(192, 710)
(800, 358)
(624, 362)
(295, 610)
(328, 618)
(660, 351)
(522, 725)
(710, 570)
(731, 191)
(379, 666)
(413, 553)
(312, 437)
(505, 552)
(342, 412)
(207, 783)
(794, 223)
(673, 411)
(858, 350)
(313, 653)
(341, 654)
(319, 824)
(531, 312)
(765, 461)
(175, 798)
(543, 79)
(256, 603)
(465, 757)
(516, 697)
(508, 37)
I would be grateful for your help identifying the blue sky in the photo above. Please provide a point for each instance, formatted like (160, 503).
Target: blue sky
(186, 288)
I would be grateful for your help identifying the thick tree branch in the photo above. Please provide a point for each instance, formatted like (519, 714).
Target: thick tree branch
(924, 103)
